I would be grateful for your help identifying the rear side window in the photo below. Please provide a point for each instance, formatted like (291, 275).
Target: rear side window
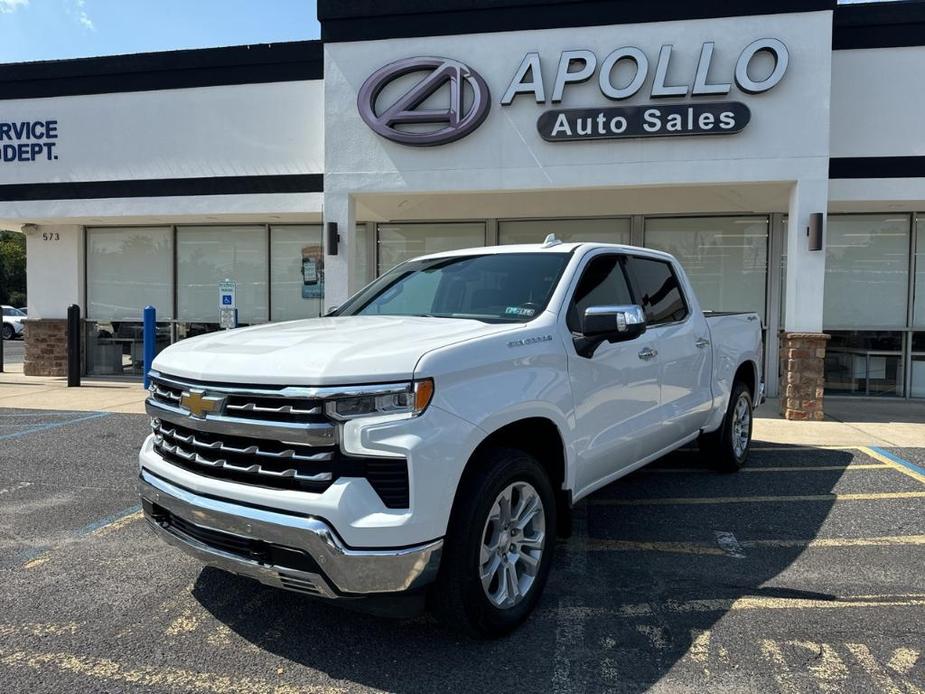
(603, 283)
(657, 290)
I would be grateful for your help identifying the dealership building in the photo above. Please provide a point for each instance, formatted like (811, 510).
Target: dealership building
(776, 149)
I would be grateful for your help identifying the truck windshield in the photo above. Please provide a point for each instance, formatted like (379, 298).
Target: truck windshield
(502, 287)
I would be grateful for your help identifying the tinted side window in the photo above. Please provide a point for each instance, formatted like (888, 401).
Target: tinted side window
(602, 283)
(657, 291)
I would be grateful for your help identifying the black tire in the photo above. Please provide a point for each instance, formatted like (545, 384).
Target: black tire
(8, 332)
(718, 446)
(457, 597)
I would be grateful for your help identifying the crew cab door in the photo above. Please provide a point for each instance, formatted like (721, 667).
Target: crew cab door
(682, 339)
(616, 390)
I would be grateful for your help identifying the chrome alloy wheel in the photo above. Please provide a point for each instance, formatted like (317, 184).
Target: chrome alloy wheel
(512, 545)
(741, 425)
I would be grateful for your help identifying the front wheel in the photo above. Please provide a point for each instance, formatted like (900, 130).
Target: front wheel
(728, 446)
(499, 546)
(8, 332)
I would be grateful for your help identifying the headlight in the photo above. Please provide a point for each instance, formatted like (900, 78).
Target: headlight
(412, 399)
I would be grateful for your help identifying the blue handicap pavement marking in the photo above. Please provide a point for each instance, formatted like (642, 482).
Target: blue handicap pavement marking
(52, 425)
(106, 520)
(900, 461)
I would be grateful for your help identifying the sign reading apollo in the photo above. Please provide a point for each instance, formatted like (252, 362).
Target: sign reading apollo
(621, 75)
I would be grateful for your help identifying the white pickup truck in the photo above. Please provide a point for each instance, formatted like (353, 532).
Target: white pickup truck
(429, 438)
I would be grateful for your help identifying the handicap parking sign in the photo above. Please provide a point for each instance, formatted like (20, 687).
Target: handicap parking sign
(226, 292)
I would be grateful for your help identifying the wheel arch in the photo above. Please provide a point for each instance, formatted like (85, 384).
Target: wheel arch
(747, 373)
(542, 439)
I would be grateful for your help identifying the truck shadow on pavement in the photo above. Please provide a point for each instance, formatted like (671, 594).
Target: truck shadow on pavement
(655, 561)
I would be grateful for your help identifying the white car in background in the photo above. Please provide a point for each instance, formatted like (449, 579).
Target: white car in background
(12, 322)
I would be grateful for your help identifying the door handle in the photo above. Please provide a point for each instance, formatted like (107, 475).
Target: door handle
(702, 342)
(647, 353)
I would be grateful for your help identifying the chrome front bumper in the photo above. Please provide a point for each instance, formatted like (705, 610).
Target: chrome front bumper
(343, 572)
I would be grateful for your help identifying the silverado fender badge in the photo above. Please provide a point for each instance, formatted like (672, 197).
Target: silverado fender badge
(530, 341)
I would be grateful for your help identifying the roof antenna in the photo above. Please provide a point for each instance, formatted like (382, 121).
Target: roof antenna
(551, 241)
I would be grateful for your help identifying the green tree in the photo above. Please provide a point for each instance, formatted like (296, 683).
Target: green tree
(12, 268)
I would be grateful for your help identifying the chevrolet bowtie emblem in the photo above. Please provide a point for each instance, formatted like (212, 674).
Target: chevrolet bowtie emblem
(199, 404)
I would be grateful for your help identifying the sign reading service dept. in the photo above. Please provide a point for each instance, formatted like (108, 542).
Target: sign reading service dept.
(28, 140)
(620, 74)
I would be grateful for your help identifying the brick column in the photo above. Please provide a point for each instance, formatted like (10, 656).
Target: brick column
(802, 374)
(46, 346)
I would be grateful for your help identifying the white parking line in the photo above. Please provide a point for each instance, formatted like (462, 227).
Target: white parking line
(15, 488)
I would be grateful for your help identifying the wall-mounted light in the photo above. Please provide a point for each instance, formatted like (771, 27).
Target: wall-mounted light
(814, 231)
(332, 238)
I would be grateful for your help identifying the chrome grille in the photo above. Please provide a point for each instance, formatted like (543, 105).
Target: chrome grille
(173, 433)
(243, 408)
(265, 463)
(278, 404)
(166, 394)
(276, 437)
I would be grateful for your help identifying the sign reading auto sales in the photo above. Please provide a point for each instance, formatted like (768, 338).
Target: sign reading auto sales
(620, 75)
(714, 118)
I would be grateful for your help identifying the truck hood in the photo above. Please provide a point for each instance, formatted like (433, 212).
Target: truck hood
(319, 351)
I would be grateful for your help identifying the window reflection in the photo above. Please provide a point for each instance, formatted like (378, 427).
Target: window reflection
(864, 363)
(400, 242)
(866, 271)
(116, 348)
(566, 230)
(209, 255)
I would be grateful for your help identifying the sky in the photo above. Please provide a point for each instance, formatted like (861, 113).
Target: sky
(53, 29)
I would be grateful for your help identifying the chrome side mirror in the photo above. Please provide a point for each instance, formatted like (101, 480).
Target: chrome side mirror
(608, 324)
(614, 323)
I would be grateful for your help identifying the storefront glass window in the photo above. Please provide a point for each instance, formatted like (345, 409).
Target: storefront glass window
(726, 258)
(401, 242)
(129, 268)
(296, 272)
(208, 255)
(615, 230)
(116, 348)
(866, 363)
(917, 387)
(866, 271)
(361, 267)
(918, 301)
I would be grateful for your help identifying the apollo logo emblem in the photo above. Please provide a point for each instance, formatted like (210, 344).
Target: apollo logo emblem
(453, 123)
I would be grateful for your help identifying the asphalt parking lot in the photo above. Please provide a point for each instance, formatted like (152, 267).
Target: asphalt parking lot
(804, 573)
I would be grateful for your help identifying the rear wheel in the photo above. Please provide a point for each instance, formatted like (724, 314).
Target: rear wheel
(8, 332)
(728, 447)
(498, 549)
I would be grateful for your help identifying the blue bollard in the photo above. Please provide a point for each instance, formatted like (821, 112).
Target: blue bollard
(149, 335)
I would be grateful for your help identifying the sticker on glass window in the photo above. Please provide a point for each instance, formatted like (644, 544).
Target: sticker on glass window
(518, 311)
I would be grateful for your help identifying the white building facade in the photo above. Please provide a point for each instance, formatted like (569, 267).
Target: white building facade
(778, 154)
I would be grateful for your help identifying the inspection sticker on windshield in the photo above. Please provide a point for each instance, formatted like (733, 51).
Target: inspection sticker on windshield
(518, 311)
